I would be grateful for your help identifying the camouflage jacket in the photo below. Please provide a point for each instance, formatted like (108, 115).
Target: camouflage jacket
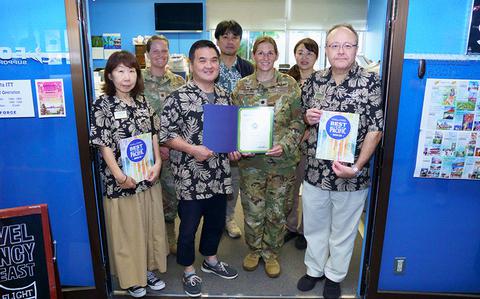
(158, 88)
(283, 94)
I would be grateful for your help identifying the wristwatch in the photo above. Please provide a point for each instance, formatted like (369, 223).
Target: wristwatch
(356, 171)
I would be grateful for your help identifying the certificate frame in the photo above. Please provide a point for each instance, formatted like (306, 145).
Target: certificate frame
(255, 129)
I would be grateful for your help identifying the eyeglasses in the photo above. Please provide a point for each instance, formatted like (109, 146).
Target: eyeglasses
(345, 46)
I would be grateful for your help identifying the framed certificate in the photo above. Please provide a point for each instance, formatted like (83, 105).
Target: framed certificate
(231, 128)
(255, 129)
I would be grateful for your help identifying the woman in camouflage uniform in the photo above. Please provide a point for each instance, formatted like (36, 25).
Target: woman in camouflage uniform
(266, 181)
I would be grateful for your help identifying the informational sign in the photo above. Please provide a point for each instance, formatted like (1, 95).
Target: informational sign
(16, 99)
(112, 42)
(26, 262)
(449, 139)
(137, 156)
(50, 98)
(97, 47)
(337, 136)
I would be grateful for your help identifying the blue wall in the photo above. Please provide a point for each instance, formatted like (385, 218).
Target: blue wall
(39, 159)
(438, 26)
(133, 18)
(377, 11)
(433, 223)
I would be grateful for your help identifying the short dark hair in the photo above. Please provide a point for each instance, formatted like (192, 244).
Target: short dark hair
(346, 26)
(154, 38)
(228, 26)
(127, 59)
(203, 43)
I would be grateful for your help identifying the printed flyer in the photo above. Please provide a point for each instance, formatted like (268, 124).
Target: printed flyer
(449, 139)
(50, 98)
(337, 136)
(137, 156)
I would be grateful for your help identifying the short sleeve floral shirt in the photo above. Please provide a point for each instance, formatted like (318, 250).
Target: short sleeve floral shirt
(183, 117)
(359, 93)
(110, 124)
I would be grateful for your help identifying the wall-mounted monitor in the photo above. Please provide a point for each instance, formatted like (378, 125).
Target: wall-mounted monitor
(179, 16)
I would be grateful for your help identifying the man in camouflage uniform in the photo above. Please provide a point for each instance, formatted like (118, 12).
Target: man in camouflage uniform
(159, 83)
(266, 180)
(232, 68)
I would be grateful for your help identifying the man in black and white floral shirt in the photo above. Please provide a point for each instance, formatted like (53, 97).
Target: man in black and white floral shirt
(334, 193)
(202, 177)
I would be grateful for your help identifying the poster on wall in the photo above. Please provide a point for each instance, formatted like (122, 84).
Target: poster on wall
(16, 99)
(449, 139)
(26, 262)
(473, 46)
(97, 47)
(112, 42)
(50, 98)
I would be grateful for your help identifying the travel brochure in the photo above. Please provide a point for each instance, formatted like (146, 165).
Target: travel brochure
(137, 156)
(50, 98)
(449, 139)
(337, 136)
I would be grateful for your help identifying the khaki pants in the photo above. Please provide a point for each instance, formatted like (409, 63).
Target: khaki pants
(136, 236)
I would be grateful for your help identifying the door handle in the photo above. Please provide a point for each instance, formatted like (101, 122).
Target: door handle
(421, 68)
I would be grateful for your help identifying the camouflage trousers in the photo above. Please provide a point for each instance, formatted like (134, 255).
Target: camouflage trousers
(266, 200)
(170, 202)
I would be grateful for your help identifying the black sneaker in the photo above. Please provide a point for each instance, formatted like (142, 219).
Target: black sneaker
(301, 242)
(221, 269)
(331, 290)
(192, 285)
(137, 291)
(154, 282)
(307, 282)
(289, 235)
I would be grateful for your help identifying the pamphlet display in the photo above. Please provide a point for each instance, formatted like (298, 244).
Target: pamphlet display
(244, 129)
(137, 156)
(337, 136)
(449, 139)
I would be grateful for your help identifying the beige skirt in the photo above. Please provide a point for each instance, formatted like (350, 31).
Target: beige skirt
(136, 236)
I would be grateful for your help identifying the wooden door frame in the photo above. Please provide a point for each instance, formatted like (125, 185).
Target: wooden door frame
(76, 36)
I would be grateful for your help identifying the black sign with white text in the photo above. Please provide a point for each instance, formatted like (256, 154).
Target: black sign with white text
(24, 269)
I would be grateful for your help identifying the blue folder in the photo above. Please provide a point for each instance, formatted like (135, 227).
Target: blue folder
(220, 127)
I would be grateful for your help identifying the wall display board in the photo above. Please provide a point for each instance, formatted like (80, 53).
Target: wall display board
(449, 139)
(26, 261)
(433, 225)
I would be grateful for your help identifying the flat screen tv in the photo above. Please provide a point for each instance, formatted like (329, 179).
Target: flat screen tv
(178, 16)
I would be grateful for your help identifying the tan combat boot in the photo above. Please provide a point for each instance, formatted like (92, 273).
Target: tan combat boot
(172, 237)
(272, 267)
(233, 230)
(250, 262)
